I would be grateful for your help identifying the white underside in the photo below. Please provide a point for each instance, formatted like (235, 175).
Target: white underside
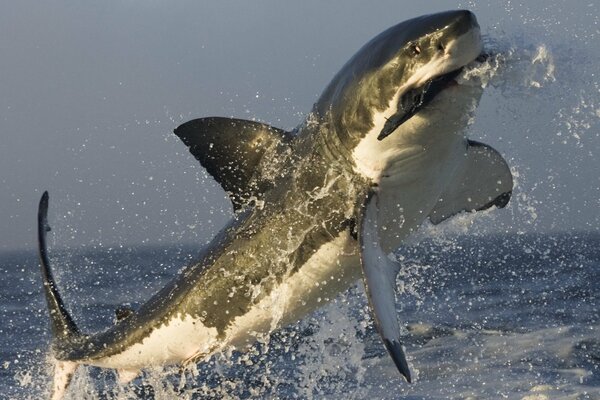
(414, 164)
(174, 342)
(332, 269)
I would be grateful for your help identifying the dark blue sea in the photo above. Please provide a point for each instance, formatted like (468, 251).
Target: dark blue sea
(511, 316)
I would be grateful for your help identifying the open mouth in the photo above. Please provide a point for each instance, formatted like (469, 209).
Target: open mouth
(415, 99)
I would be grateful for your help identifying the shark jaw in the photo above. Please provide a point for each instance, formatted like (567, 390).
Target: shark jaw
(435, 75)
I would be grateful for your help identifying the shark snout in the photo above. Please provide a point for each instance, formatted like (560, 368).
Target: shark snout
(463, 21)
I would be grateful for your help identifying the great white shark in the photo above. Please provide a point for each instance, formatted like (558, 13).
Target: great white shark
(383, 149)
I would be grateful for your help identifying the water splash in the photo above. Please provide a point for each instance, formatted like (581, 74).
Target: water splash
(511, 68)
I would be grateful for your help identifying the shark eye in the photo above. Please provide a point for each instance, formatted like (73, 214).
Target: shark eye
(441, 47)
(415, 49)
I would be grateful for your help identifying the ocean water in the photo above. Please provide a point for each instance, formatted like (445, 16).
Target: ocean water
(512, 316)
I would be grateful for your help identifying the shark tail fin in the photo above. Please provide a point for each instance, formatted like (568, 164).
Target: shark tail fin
(63, 327)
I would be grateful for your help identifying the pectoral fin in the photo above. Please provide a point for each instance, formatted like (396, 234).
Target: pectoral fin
(379, 274)
(484, 180)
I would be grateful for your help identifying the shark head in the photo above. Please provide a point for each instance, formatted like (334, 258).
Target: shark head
(397, 74)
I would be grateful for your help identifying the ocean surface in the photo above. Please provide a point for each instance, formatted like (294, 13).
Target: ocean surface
(511, 316)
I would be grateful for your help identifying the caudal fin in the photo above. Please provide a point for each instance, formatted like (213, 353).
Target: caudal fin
(63, 326)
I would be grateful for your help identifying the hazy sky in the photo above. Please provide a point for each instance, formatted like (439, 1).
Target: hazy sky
(91, 91)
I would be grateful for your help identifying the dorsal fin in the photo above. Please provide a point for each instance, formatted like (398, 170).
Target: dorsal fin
(484, 181)
(231, 150)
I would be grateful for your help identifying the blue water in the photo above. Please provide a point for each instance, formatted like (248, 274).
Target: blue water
(509, 316)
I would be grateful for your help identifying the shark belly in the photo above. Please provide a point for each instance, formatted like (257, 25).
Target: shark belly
(177, 340)
(333, 268)
(416, 163)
